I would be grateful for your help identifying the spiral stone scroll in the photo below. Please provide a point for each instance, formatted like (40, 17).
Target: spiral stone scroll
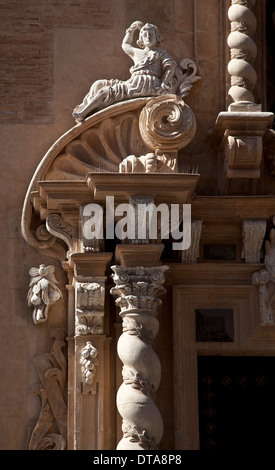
(137, 290)
(167, 122)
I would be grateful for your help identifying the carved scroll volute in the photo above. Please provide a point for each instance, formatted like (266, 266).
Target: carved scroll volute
(62, 229)
(166, 125)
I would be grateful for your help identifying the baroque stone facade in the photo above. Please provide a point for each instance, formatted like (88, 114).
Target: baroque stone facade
(177, 113)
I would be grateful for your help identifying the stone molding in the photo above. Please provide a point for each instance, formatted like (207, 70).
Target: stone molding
(239, 136)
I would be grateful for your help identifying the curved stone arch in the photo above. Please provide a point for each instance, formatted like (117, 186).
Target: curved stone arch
(60, 164)
(161, 124)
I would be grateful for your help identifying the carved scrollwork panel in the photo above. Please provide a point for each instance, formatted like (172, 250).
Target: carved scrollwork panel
(50, 430)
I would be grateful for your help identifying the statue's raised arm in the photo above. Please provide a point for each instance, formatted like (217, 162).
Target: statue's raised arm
(127, 43)
(154, 73)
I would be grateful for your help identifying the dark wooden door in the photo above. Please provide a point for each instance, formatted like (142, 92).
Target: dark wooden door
(236, 402)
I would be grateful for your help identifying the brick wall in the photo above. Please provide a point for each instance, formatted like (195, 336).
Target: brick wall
(26, 51)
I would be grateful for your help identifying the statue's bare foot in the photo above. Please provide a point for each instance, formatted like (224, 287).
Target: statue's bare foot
(78, 117)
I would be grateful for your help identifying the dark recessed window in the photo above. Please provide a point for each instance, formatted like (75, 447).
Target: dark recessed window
(214, 324)
(220, 252)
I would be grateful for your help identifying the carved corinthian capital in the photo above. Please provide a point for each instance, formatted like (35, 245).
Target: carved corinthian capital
(137, 290)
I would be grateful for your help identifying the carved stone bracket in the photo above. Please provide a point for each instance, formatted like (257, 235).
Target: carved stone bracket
(50, 431)
(62, 229)
(253, 235)
(192, 254)
(137, 290)
(265, 279)
(239, 137)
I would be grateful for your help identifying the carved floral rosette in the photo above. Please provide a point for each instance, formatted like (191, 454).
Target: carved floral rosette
(136, 291)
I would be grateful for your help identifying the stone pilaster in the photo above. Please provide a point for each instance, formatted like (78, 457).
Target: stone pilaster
(88, 353)
(137, 291)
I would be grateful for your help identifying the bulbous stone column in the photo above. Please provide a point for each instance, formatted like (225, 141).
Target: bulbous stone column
(137, 290)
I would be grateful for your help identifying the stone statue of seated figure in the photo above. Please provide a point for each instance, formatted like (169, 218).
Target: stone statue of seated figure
(153, 73)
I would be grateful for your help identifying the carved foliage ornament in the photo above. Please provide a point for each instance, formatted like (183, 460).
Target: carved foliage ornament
(43, 291)
(89, 362)
(50, 430)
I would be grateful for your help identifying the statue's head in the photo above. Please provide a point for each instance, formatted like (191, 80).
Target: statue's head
(149, 35)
